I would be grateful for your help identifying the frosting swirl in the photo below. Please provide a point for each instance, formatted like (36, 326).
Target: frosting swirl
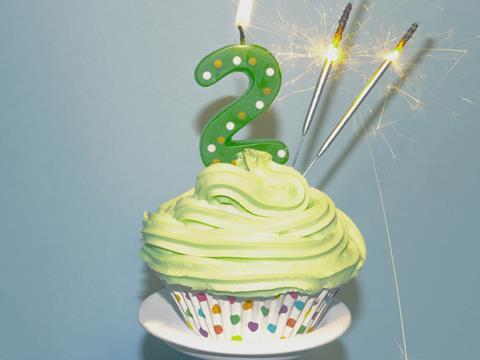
(254, 229)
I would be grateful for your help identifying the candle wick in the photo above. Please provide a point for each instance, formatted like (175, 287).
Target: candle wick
(242, 35)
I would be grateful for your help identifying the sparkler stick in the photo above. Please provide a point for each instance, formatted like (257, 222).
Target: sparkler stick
(389, 58)
(330, 57)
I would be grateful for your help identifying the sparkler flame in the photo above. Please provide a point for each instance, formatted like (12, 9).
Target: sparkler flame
(331, 56)
(332, 53)
(372, 81)
(304, 51)
(392, 56)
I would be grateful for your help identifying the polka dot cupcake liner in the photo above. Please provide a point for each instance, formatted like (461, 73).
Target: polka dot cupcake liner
(241, 319)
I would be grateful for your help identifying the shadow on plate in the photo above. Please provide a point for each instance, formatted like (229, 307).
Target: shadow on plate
(155, 349)
(350, 294)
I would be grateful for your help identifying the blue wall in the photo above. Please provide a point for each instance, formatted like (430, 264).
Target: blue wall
(100, 120)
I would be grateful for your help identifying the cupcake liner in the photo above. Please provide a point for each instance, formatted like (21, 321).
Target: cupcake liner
(241, 319)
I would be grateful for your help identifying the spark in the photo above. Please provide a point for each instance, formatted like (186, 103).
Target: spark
(463, 98)
(372, 81)
(457, 61)
(392, 152)
(301, 55)
(394, 128)
(390, 246)
(385, 101)
(298, 91)
(416, 103)
(331, 56)
(298, 77)
(404, 355)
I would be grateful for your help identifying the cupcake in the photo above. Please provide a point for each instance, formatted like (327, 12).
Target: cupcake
(252, 252)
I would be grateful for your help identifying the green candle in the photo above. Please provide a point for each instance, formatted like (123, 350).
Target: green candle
(263, 70)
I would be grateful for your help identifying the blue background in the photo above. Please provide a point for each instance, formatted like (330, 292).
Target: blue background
(100, 120)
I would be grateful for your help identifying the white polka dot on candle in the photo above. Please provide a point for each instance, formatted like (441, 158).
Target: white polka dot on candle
(259, 104)
(211, 148)
(207, 75)
(281, 153)
(270, 72)
(237, 60)
(230, 125)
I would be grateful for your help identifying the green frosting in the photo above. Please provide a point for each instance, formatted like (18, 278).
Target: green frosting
(254, 229)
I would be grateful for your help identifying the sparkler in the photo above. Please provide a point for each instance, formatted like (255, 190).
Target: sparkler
(330, 57)
(389, 58)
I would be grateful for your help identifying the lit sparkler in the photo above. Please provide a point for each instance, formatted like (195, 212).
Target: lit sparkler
(330, 57)
(389, 58)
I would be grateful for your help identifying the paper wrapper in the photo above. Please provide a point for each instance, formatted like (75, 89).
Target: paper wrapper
(242, 319)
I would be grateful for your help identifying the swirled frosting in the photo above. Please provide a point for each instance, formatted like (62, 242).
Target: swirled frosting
(254, 229)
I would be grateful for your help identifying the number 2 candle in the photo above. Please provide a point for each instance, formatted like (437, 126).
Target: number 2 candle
(263, 70)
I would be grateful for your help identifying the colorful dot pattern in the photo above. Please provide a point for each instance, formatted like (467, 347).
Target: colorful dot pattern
(240, 319)
(216, 143)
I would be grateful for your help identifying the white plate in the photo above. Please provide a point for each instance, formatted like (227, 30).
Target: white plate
(159, 317)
